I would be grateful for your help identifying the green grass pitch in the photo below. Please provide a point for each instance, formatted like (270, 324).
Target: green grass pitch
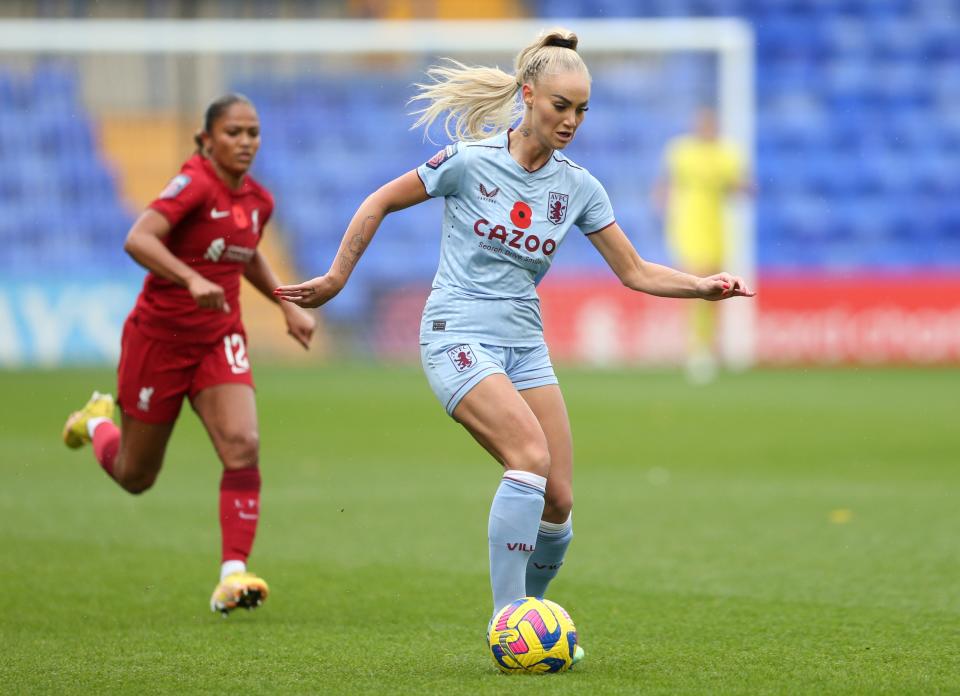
(773, 533)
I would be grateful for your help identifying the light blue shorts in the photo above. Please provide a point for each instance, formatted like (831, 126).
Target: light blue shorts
(455, 367)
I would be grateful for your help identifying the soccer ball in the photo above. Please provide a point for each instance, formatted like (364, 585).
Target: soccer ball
(532, 636)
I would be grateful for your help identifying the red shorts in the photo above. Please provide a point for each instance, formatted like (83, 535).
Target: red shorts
(154, 376)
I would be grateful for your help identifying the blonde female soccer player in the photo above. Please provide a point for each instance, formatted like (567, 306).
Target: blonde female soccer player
(510, 199)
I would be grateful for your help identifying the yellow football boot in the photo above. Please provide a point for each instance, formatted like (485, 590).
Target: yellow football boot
(75, 429)
(238, 590)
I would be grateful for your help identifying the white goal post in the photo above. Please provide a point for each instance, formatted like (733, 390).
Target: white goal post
(731, 40)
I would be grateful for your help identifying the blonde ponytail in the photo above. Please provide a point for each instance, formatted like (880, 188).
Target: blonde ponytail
(481, 101)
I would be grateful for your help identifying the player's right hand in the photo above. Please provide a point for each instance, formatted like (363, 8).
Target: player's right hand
(312, 293)
(207, 295)
(722, 286)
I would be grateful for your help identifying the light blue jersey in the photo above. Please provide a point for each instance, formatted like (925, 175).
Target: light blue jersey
(502, 228)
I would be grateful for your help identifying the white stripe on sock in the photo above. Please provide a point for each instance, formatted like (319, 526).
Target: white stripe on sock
(527, 477)
(92, 424)
(556, 527)
(231, 567)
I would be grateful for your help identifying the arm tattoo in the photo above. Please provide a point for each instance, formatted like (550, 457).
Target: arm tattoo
(356, 246)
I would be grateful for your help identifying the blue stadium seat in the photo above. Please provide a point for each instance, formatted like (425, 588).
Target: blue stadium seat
(844, 158)
(853, 169)
(59, 197)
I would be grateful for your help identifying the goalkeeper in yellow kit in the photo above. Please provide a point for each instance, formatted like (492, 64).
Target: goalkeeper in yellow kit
(700, 171)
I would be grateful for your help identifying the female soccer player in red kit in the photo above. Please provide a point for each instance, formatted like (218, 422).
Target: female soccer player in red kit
(185, 337)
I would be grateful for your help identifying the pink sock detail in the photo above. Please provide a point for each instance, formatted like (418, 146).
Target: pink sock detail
(106, 444)
(239, 512)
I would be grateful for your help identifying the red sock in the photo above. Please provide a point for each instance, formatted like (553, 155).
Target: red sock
(239, 511)
(106, 444)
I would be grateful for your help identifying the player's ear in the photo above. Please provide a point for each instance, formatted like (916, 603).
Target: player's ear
(202, 139)
(527, 92)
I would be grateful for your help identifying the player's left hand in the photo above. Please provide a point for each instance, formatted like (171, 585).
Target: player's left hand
(300, 324)
(722, 286)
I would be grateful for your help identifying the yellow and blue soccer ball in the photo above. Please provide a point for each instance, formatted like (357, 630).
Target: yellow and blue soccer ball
(532, 636)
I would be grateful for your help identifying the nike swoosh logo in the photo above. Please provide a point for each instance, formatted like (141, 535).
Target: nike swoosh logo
(217, 214)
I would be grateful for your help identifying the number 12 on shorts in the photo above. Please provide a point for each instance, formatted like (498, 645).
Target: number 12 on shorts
(236, 352)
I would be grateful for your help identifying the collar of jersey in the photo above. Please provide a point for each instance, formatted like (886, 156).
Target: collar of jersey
(546, 169)
(208, 167)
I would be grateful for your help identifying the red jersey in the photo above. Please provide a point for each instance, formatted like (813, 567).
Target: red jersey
(215, 231)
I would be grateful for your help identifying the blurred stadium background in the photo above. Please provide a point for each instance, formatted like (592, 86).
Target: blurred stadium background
(781, 531)
(852, 127)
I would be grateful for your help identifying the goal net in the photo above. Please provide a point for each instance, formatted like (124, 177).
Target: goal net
(96, 116)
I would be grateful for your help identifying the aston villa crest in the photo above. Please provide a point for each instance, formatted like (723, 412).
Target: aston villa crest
(557, 207)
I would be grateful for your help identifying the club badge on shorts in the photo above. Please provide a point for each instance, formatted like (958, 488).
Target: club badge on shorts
(462, 357)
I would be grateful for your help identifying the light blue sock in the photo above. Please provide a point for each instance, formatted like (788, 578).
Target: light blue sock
(512, 532)
(544, 564)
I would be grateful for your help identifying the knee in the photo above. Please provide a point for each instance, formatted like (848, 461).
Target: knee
(240, 449)
(133, 474)
(138, 483)
(534, 458)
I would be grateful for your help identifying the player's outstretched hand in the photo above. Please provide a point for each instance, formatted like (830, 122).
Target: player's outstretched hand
(312, 293)
(207, 295)
(300, 324)
(722, 286)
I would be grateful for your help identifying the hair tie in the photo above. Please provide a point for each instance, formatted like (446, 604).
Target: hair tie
(561, 43)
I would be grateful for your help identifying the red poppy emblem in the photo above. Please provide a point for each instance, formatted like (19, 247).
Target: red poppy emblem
(520, 216)
(239, 216)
